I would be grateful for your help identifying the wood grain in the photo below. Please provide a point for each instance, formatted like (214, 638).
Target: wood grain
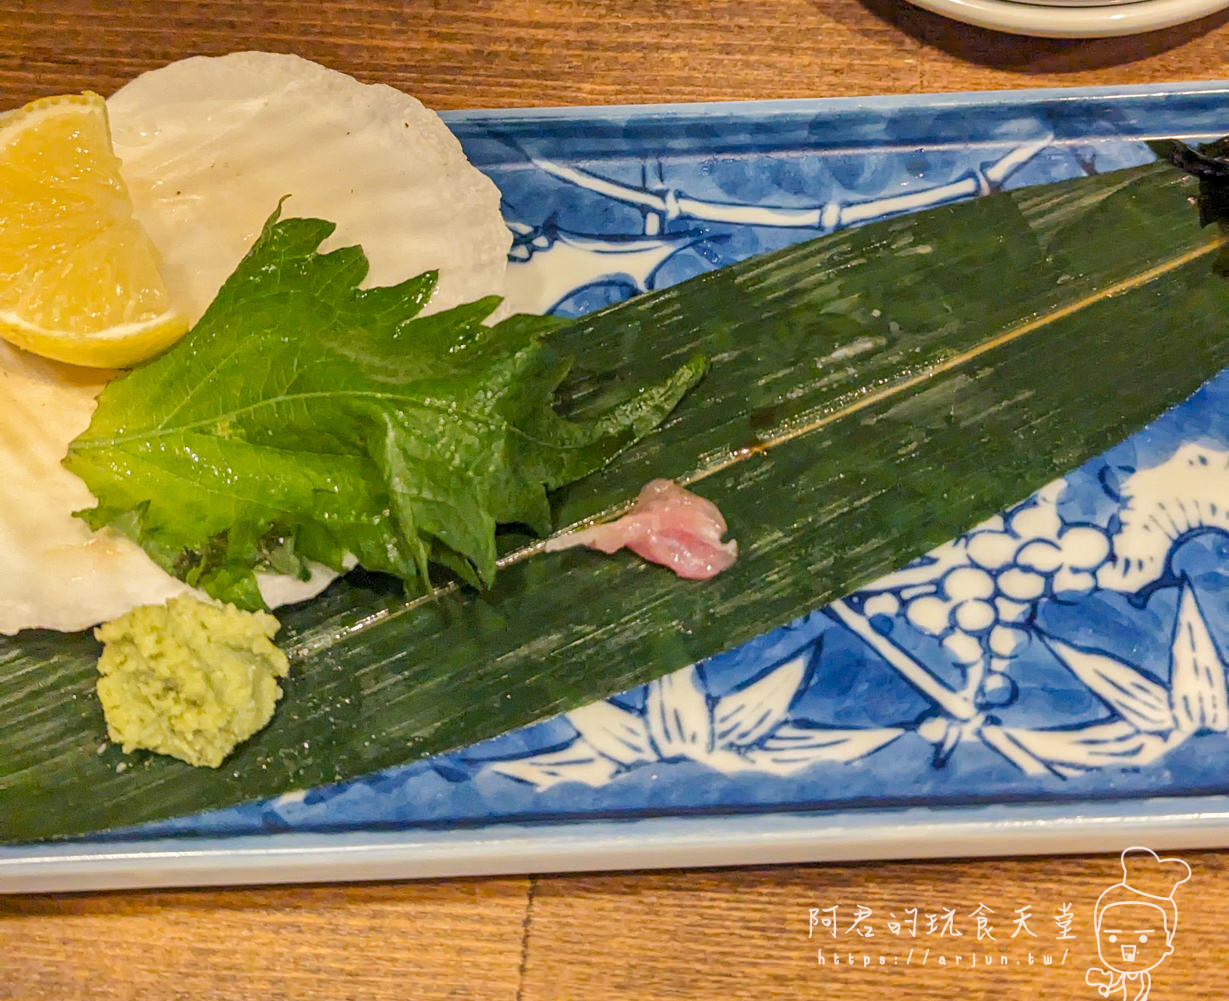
(507, 53)
(747, 935)
(460, 939)
(736, 933)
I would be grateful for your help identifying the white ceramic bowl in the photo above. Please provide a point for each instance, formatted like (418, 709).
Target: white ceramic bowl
(1074, 18)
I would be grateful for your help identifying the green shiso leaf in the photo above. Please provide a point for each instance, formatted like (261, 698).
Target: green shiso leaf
(306, 419)
(871, 394)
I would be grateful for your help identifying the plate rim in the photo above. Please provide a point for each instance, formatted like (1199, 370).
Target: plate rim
(867, 102)
(1049, 21)
(926, 832)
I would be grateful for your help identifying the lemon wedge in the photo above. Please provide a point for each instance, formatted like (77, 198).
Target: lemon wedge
(79, 277)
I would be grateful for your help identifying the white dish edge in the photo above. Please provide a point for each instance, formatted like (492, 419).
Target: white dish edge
(1073, 22)
(606, 845)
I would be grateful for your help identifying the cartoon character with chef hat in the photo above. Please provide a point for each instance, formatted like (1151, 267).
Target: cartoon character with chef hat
(1135, 921)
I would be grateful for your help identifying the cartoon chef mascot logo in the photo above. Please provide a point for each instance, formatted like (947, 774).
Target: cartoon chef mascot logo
(1135, 920)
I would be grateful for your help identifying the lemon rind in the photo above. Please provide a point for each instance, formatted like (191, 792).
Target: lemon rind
(103, 349)
(18, 120)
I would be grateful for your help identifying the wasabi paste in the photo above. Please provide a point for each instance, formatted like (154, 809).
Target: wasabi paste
(190, 678)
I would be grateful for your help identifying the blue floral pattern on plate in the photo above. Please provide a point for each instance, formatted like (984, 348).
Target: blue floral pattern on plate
(1069, 649)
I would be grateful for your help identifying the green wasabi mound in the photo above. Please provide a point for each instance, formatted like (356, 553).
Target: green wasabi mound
(190, 678)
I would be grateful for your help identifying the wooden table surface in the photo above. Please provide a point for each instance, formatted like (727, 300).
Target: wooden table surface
(687, 934)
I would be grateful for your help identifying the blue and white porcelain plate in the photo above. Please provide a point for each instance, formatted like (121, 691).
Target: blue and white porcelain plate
(1055, 680)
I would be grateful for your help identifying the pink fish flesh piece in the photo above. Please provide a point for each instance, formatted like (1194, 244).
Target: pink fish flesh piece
(667, 525)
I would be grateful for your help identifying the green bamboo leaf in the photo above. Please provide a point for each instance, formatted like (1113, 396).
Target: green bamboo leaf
(871, 394)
